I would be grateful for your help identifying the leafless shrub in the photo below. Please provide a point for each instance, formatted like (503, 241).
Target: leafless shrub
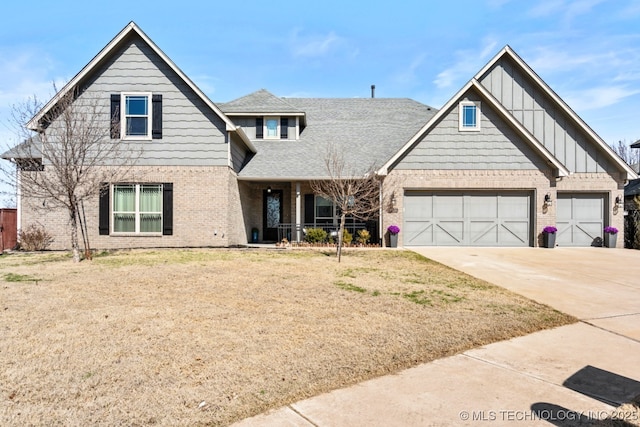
(34, 238)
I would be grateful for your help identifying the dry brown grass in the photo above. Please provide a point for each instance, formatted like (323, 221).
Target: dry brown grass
(193, 337)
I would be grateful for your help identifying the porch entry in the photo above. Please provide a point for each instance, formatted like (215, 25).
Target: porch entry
(271, 214)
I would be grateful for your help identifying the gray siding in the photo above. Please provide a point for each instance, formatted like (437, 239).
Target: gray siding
(495, 146)
(544, 119)
(192, 133)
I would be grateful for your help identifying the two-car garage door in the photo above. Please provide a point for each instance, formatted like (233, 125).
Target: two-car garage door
(467, 218)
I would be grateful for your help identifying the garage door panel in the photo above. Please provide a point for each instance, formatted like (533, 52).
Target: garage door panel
(469, 219)
(514, 207)
(449, 233)
(418, 208)
(482, 206)
(483, 233)
(419, 233)
(580, 219)
(446, 206)
(515, 233)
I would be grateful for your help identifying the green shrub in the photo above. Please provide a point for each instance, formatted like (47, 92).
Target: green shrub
(363, 236)
(315, 235)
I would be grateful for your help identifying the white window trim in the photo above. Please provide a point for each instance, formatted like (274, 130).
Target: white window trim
(461, 126)
(123, 116)
(137, 212)
(265, 134)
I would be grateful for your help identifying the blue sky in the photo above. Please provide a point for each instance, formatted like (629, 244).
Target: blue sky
(588, 51)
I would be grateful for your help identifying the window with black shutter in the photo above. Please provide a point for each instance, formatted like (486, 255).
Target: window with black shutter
(284, 128)
(259, 128)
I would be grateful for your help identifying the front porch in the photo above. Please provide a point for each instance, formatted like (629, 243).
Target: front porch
(273, 211)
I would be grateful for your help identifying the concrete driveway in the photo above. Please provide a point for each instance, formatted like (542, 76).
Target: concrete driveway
(568, 376)
(597, 285)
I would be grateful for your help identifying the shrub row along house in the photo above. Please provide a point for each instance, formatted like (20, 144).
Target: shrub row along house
(502, 159)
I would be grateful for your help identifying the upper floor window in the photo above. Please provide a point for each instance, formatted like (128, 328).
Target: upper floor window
(136, 115)
(136, 123)
(469, 113)
(272, 128)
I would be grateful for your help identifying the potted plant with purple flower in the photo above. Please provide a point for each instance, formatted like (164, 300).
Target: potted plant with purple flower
(393, 235)
(549, 236)
(610, 237)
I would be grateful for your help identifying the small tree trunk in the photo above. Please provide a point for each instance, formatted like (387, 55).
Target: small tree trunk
(74, 234)
(341, 235)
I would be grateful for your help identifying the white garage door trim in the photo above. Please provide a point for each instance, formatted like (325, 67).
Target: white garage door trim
(467, 218)
(580, 218)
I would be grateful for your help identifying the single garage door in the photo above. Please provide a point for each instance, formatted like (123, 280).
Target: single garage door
(580, 219)
(467, 219)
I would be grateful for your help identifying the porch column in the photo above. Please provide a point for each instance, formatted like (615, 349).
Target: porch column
(298, 213)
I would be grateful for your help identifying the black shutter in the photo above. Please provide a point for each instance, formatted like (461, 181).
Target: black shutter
(309, 208)
(167, 209)
(259, 128)
(103, 210)
(115, 116)
(156, 113)
(284, 128)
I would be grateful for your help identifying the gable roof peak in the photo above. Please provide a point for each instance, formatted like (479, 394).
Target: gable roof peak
(260, 102)
(107, 52)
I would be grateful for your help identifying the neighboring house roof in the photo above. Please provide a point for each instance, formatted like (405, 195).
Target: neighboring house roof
(106, 53)
(497, 106)
(29, 149)
(582, 125)
(636, 144)
(369, 130)
(261, 101)
(632, 188)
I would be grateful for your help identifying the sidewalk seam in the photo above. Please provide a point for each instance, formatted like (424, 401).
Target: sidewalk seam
(612, 317)
(608, 330)
(302, 416)
(507, 368)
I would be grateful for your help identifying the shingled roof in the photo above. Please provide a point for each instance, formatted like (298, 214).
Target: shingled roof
(367, 130)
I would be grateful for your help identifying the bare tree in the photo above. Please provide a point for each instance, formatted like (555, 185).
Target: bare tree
(628, 154)
(69, 157)
(354, 194)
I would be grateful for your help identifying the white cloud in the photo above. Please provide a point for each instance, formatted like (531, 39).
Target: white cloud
(598, 97)
(409, 75)
(468, 64)
(319, 45)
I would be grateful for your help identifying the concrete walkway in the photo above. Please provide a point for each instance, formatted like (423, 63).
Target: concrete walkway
(562, 377)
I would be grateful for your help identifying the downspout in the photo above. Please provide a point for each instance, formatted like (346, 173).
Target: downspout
(298, 213)
(380, 236)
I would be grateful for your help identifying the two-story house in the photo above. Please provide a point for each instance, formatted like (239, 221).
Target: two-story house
(504, 157)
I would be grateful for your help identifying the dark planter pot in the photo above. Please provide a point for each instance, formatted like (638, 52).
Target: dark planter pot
(549, 240)
(610, 240)
(393, 240)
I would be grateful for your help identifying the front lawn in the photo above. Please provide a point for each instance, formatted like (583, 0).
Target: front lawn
(192, 337)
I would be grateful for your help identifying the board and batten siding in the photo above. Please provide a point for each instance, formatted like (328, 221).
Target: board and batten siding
(192, 134)
(495, 146)
(541, 116)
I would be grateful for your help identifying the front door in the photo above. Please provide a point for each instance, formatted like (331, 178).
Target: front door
(271, 214)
